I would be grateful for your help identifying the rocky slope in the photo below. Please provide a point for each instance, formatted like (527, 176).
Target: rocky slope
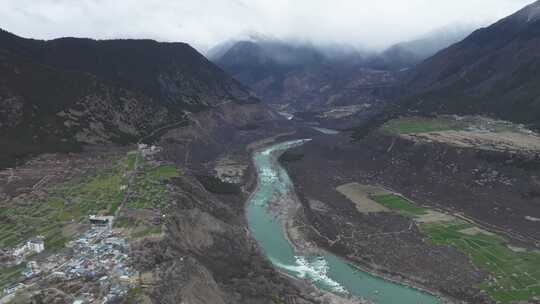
(208, 255)
(493, 71)
(59, 94)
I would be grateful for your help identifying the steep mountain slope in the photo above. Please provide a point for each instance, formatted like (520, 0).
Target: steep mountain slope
(56, 95)
(254, 61)
(46, 109)
(173, 72)
(495, 70)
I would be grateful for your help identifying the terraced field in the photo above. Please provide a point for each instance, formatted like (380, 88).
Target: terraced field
(515, 274)
(150, 187)
(61, 205)
(9, 274)
(142, 212)
(59, 212)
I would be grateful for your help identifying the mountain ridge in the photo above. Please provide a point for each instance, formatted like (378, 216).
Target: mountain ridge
(58, 95)
(493, 71)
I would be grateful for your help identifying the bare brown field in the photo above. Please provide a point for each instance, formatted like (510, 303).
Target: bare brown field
(494, 141)
(360, 196)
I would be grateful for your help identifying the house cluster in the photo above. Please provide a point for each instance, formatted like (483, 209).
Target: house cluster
(32, 269)
(12, 288)
(97, 261)
(147, 150)
(99, 256)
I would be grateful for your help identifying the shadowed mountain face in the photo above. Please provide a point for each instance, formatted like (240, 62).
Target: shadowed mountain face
(173, 72)
(496, 70)
(56, 95)
(252, 62)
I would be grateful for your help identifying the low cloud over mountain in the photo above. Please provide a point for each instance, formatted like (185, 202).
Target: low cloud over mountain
(372, 24)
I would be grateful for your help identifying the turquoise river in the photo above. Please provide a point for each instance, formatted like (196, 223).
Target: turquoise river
(327, 271)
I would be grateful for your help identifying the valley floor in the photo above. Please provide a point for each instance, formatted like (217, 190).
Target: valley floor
(178, 212)
(419, 201)
(465, 228)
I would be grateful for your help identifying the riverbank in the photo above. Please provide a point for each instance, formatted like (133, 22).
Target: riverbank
(324, 270)
(282, 208)
(301, 245)
(459, 181)
(290, 211)
(208, 256)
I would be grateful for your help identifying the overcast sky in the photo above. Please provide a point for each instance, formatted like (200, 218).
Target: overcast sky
(204, 23)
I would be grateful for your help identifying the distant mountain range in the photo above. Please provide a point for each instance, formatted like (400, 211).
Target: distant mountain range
(495, 70)
(303, 77)
(234, 55)
(59, 94)
(409, 53)
(56, 95)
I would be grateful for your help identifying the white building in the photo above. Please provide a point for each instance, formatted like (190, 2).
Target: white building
(36, 244)
(146, 150)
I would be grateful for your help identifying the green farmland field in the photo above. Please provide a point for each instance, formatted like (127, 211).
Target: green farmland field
(515, 275)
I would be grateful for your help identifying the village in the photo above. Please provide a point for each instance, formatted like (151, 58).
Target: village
(97, 261)
(92, 266)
